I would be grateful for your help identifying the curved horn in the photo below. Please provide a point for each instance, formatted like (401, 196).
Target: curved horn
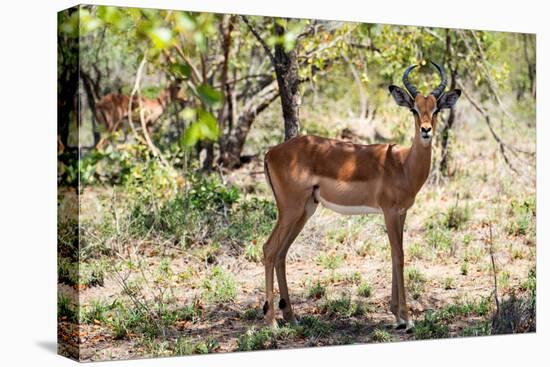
(441, 87)
(411, 88)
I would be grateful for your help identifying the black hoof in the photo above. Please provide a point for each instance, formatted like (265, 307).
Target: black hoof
(401, 326)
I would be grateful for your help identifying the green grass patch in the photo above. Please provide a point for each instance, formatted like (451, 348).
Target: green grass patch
(456, 216)
(87, 274)
(436, 323)
(416, 251)
(316, 290)
(97, 311)
(431, 327)
(381, 336)
(251, 314)
(343, 307)
(66, 309)
(522, 215)
(415, 282)
(364, 290)
(219, 286)
(439, 238)
(265, 338)
(330, 261)
(186, 346)
(351, 278)
(313, 327)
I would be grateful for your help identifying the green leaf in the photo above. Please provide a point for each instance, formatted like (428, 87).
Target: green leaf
(209, 95)
(205, 128)
(182, 70)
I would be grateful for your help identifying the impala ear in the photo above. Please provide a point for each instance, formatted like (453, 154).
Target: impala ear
(448, 99)
(402, 98)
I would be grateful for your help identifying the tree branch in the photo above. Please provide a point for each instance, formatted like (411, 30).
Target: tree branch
(485, 68)
(136, 90)
(502, 145)
(260, 39)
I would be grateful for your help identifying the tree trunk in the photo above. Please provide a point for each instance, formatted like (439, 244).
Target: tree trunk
(93, 97)
(67, 87)
(531, 65)
(232, 144)
(286, 69)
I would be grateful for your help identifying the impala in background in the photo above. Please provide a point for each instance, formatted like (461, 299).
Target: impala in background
(351, 179)
(112, 109)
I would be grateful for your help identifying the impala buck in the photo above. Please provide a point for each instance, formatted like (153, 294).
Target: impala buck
(351, 179)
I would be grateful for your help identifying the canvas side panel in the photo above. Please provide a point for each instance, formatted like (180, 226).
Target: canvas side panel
(68, 182)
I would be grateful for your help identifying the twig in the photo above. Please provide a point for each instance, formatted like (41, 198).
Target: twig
(485, 69)
(134, 90)
(259, 38)
(333, 43)
(194, 71)
(432, 33)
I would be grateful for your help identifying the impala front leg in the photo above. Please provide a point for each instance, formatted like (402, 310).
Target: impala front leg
(394, 225)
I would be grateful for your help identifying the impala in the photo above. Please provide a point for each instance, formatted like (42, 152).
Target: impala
(351, 179)
(112, 109)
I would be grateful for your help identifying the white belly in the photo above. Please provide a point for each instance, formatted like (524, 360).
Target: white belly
(347, 209)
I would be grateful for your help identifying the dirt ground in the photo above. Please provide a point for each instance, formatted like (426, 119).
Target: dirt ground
(455, 275)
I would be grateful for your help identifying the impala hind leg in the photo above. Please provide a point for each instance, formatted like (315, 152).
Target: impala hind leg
(270, 252)
(280, 262)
